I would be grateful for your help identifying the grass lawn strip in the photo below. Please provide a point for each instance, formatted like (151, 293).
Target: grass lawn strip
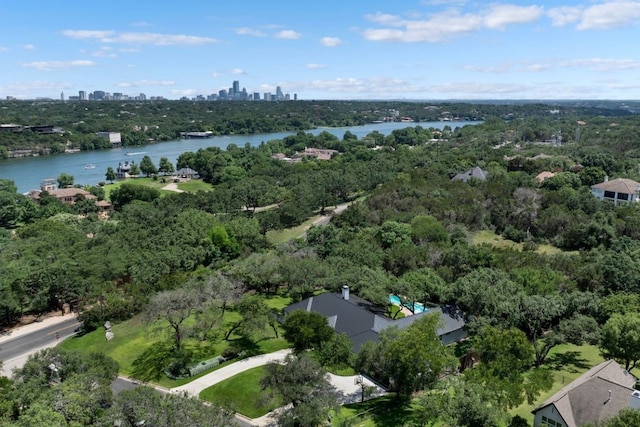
(241, 393)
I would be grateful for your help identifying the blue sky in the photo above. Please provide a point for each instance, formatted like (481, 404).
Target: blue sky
(329, 49)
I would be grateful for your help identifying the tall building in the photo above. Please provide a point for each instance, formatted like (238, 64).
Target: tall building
(236, 87)
(61, 96)
(82, 95)
(279, 94)
(256, 96)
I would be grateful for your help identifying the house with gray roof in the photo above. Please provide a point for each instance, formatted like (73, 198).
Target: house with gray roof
(475, 173)
(363, 321)
(618, 191)
(597, 395)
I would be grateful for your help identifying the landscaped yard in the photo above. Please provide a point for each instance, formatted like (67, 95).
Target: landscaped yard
(567, 362)
(242, 394)
(133, 337)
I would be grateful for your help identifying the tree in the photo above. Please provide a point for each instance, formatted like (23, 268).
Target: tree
(257, 317)
(460, 403)
(110, 175)
(147, 167)
(306, 330)
(626, 418)
(129, 192)
(506, 357)
(302, 383)
(65, 180)
(410, 359)
(621, 339)
(134, 170)
(337, 352)
(144, 406)
(165, 166)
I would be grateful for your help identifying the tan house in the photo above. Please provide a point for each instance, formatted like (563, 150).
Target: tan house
(544, 175)
(597, 395)
(618, 191)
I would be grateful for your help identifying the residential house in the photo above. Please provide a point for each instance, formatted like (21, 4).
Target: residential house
(618, 191)
(362, 321)
(475, 173)
(115, 138)
(68, 196)
(595, 396)
(187, 173)
(544, 175)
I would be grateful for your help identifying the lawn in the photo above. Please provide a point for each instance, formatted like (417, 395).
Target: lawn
(241, 393)
(497, 241)
(190, 186)
(567, 362)
(133, 337)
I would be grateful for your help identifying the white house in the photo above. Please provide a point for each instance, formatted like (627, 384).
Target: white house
(620, 190)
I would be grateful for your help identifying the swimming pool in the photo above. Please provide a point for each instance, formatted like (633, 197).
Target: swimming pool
(418, 308)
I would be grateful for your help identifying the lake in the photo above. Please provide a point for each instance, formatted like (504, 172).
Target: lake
(29, 172)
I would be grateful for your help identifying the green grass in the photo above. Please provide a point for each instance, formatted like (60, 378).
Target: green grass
(378, 412)
(567, 362)
(490, 238)
(241, 393)
(194, 185)
(133, 337)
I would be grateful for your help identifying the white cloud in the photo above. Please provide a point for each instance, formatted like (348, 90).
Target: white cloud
(443, 25)
(602, 64)
(245, 31)
(28, 47)
(183, 92)
(142, 83)
(288, 34)
(105, 52)
(57, 65)
(316, 66)
(614, 14)
(237, 71)
(501, 68)
(483, 89)
(330, 41)
(156, 39)
(23, 89)
(501, 15)
(564, 15)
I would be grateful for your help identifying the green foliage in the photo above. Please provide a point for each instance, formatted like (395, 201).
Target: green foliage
(302, 383)
(65, 180)
(306, 330)
(128, 192)
(621, 339)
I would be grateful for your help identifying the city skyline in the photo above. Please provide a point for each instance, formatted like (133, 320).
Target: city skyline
(408, 49)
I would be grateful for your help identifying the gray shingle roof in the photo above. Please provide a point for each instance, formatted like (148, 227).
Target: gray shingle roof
(476, 173)
(361, 321)
(586, 399)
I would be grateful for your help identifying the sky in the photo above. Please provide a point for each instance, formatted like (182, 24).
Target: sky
(323, 49)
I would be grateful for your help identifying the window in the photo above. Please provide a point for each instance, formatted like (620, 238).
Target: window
(547, 422)
(623, 196)
(609, 195)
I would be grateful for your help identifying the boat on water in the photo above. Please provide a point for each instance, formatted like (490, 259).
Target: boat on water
(89, 166)
(135, 154)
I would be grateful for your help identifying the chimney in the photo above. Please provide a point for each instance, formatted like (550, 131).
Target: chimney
(606, 178)
(345, 293)
(609, 398)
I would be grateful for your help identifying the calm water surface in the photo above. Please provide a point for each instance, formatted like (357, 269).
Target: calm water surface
(28, 172)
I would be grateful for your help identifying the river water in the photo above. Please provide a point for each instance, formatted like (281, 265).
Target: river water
(29, 172)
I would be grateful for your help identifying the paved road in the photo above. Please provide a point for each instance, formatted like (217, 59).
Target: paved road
(17, 345)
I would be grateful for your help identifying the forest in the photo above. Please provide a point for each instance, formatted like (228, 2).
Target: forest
(533, 264)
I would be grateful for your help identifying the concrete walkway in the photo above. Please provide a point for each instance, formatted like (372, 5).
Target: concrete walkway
(349, 391)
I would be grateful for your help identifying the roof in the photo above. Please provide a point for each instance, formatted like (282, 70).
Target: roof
(186, 171)
(586, 399)
(63, 193)
(476, 173)
(544, 175)
(619, 185)
(362, 321)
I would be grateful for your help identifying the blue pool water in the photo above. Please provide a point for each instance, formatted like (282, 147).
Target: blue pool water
(418, 308)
